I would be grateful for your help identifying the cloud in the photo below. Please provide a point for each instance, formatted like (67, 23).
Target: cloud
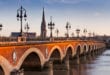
(66, 1)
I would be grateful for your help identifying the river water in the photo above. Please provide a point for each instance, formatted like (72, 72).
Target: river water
(93, 65)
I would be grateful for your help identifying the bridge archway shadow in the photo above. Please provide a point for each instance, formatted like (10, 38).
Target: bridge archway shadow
(31, 63)
(78, 51)
(1, 71)
(55, 56)
(89, 49)
(84, 49)
(69, 53)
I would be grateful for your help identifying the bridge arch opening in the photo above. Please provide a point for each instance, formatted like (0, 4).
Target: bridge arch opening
(31, 63)
(69, 52)
(84, 49)
(78, 51)
(55, 56)
(89, 49)
(1, 71)
(92, 47)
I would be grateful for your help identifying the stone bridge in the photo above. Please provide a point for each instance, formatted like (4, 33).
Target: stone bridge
(14, 56)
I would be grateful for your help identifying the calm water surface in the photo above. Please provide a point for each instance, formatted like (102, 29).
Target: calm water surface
(93, 65)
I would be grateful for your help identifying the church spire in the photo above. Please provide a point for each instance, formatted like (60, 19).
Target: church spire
(43, 15)
(43, 26)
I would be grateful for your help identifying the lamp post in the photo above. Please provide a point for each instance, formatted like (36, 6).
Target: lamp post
(68, 26)
(57, 32)
(85, 32)
(1, 27)
(89, 35)
(77, 32)
(93, 35)
(21, 14)
(72, 35)
(51, 26)
(27, 29)
(1, 30)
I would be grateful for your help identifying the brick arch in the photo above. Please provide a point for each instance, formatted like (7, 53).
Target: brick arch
(85, 46)
(53, 49)
(70, 46)
(76, 48)
(92, 47)
(28, 52)
(5, 65)
(89, 48)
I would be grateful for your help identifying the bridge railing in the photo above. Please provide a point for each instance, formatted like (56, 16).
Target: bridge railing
(12, 41)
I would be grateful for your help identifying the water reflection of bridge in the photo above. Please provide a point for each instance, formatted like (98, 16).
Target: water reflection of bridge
(40, 55)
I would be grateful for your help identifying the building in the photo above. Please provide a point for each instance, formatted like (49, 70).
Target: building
(29, 34)
(43, 26)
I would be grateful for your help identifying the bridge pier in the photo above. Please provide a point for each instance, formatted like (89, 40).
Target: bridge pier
(67, 63)
(62, 66)
(48, 67)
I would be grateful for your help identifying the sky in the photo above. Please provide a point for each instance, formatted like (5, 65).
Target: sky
(93, 15)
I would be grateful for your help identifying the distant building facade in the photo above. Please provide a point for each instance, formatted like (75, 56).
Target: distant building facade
(43, 26)
(29, 34)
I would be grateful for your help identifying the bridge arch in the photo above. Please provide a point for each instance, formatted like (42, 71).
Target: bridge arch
(3, 66)
(69, 51)
(85, 48)
(92, 47)
(78, 49)
(30, 51)
(56, 50)
(89, 48)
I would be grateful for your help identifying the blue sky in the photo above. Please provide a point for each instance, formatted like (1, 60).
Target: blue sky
(94, 15)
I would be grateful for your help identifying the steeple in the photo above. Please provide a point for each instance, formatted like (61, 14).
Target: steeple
(43, 26)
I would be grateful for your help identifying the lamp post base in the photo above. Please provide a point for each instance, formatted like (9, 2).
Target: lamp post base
(21, 39)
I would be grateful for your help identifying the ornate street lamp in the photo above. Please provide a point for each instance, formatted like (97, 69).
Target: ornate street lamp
(89, 35)
(1, 27)
(57, 32)
(77, 32)
(21, 14)
(1, 30)
(68, 26)
(72, 34)
(27, 29)
(85, 32)
(93, 34)
(51, 26)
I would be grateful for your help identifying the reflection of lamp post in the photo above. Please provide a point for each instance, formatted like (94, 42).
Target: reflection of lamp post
(68, 26)
(27, 29)
(77, 32)
(51, 27)
(21, 13)
(57, 32)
